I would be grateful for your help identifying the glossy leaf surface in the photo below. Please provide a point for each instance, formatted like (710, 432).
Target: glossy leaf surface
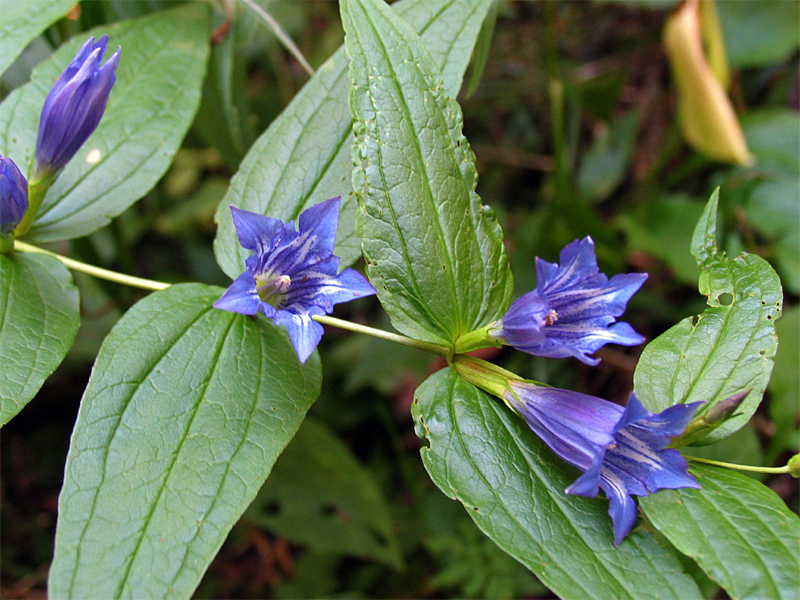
(730, 347)
(149, 110)
(738, 530)
(433, 252)
(512, 485)
(187, 409)
(304, 156)
(23, 21)
(39, 317)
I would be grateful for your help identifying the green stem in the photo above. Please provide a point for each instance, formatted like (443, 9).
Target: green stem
(149, 284)
(556, 93)
(783, 469)
(385, 335)
(36, 191)
(76, 265)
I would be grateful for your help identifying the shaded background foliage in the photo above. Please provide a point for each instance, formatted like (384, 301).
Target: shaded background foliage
(607, 161)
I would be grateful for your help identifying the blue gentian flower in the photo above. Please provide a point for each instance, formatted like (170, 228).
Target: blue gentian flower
(292, 276)
(13, 195)
(73, 107)
(572, 311)
(622, 451)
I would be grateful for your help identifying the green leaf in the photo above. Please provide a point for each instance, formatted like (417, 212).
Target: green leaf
(318, 495)
(434, 254)
(759, 33)
(662, 227)
(186, 411)
(704, 238)
(39, 317)
(728, 348)
(149, 111)
(738, 530)
(773, 210)
(773, 136)
(512, 485)
(304, 156)
(605, 164)
(482, 46)
(23, 21)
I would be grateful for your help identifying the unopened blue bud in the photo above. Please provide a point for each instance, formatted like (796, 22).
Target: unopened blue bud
(13, 195)
(73, 107)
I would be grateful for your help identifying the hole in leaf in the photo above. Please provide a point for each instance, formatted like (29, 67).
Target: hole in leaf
(328, 509)
(272, 509)
(379, 538)
(725, 299)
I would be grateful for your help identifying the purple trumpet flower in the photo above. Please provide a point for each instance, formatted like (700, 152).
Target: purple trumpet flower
(622, 451)
(292, 276)
(572, 311)
(73, 107)
(13, 195)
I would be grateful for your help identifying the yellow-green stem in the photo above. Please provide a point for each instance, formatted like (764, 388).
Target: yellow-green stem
(717, 463)
(149, 284)
(385, 335)
(76, 265)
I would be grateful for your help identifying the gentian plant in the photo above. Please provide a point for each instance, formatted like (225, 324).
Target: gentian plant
(196, 411)
(291, 276)
(572, 311)
(74, 106)
(622, 450)
(70, 113)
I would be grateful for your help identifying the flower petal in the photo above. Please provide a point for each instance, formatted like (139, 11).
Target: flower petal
(73, 107)
(303, 331)
(575, 426)
(256, 232)
(578, 261)
(621, 507)
(320, 289)
(241, 297)
(312, 245)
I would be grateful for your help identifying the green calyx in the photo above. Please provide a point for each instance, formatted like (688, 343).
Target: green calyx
(6, 243)
(484, 375)
(37, 188)
(475, 340)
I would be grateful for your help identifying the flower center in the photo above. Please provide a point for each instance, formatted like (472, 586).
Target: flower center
(550, 318)
(272, 289)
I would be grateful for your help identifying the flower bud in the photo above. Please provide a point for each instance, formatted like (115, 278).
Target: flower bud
(13, 195)
(794, 466)
(708, 421)
(73, 107)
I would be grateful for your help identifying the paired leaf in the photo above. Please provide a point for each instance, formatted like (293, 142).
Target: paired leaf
(512, 485)
(738, 530)
(23, 21)
(434, 254)
(39, 318)
(304, 156)
(320, 496)
(149, 110)
(187, 409)
(728, 348)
